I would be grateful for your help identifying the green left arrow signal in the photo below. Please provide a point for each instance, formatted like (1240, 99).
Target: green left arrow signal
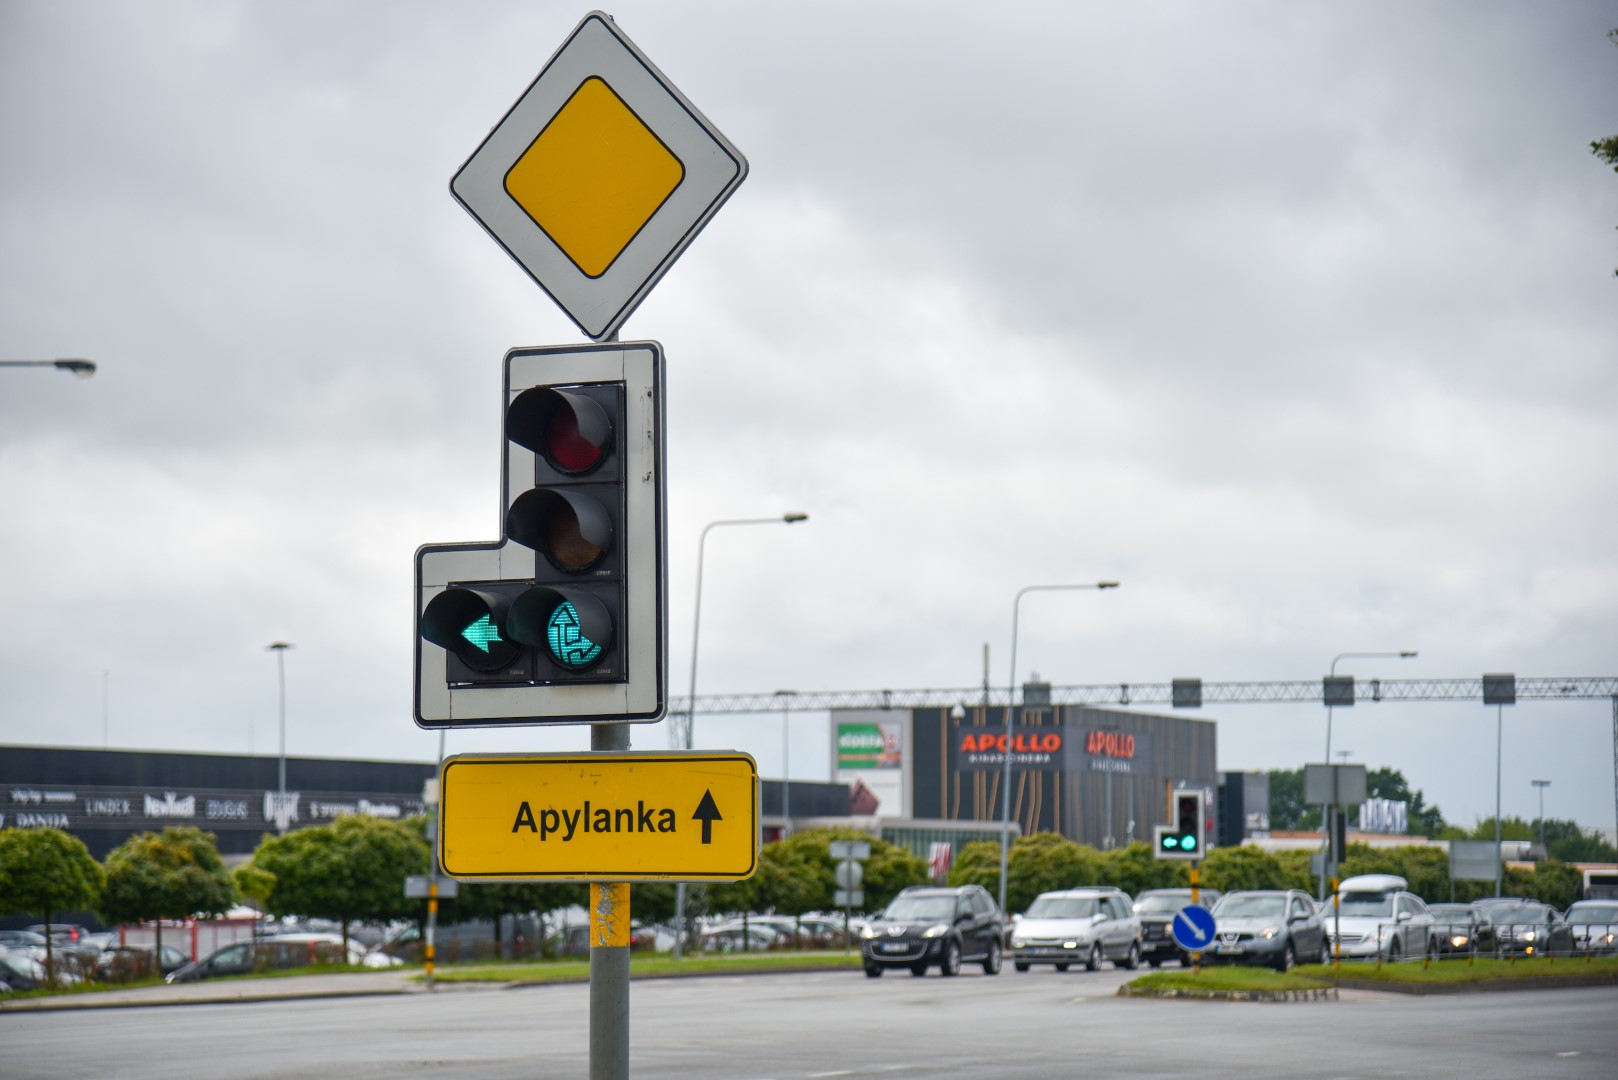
(481, 633)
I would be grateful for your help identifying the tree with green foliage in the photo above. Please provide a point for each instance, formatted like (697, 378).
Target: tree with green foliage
(174, 874)
(889, 869)
(1569, 842)
(254, 883)
(351, 869)
(494, 901)
(1039, 862)
(1288, 811)
(1246, 867)
(45, 871)
(1135, 869)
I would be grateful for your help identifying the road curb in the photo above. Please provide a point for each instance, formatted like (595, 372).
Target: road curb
(1323, 993)
(1529, 982)
(79, 1002)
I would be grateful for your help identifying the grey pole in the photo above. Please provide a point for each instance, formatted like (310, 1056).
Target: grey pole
(280, 649)
(609, 962)
(1541, 785)
(684, 738)
(1325, 809)
(1013, 710)
(786, 697)
(1499, 727)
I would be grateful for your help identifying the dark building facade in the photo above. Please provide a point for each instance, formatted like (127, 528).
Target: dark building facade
(106, 796)
(1097, 776)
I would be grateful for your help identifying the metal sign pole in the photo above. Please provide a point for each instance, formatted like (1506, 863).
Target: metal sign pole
(609, 952)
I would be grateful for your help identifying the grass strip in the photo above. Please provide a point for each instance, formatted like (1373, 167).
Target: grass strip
(1315, 976)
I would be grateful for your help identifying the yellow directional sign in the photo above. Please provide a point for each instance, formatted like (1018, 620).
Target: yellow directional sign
(691, 816)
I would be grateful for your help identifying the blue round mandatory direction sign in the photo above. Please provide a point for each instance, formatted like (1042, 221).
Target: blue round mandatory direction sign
(1193, 928)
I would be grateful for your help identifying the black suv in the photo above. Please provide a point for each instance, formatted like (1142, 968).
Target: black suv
(927, 927)
(1157, 908)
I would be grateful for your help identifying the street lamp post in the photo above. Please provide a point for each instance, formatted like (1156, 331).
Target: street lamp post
(279, 648)
(1013, 710)
(1325, 809)
(683, 739)
(1541, 785)
(786, 697)
(82, 368)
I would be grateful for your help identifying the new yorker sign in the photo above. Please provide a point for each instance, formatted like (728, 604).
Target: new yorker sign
(689, 816)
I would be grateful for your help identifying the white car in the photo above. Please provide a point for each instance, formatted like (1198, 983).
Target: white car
(1377, 916)
(1077, 926)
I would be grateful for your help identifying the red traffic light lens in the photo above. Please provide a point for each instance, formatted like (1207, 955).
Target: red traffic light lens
(569, 429)
(566, 448)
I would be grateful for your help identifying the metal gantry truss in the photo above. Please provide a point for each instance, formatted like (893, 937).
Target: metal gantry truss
(1176, 694)
(1212, 693)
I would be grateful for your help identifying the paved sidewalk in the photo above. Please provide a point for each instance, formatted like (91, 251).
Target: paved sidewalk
(224, 991)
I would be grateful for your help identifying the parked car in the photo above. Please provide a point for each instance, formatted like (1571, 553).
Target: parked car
(1267, 926)
(1462, 929)
(281, 951)
(734, 937)
(1156, 909)
(121, 963)
(1529, 928)
(1378, 917)
(1594, 926)
(23, 941)
(809, 932)
(1077, 926)
(20, 971)
(935, 927)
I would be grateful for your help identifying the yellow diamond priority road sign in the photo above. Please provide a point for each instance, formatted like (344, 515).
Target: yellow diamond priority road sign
(599, 177)
(677, 816)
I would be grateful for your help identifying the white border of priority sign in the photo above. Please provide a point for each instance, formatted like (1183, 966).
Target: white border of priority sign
(712, 170)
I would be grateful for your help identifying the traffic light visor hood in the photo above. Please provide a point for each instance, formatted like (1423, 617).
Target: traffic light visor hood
(569, 430)
(471, 624)
(572, 529)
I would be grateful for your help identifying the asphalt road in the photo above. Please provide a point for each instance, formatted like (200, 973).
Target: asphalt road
(834, 1024)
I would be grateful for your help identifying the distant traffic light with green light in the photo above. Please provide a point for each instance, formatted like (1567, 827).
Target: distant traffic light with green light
(564, 619)
(1185, 836)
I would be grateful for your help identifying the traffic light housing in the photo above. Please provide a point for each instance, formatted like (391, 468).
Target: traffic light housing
(564, 619)
(1185, 836)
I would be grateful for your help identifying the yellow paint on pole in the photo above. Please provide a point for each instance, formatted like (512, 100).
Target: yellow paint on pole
(609, 915)
(616, 817)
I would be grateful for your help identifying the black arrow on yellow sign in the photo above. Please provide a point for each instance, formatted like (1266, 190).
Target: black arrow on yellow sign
(707, 813)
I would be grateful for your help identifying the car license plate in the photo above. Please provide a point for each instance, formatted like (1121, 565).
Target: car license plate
(893, 946)
(1229, 950)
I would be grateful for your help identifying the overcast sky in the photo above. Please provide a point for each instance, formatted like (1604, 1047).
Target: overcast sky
(1296, 318)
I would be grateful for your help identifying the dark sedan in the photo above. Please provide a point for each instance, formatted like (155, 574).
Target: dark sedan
(1529, 929)
(1461, 930)
(1157, 908)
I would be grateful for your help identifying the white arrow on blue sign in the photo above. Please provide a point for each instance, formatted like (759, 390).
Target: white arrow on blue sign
(1193, 928)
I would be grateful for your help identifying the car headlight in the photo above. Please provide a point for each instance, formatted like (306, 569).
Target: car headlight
(1018, 941)
(936, 931)
(1457, 941)
(1269, 932)
(1528, 935)
(866, 933)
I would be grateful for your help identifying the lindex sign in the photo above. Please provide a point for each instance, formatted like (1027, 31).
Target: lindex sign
(685, 815)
